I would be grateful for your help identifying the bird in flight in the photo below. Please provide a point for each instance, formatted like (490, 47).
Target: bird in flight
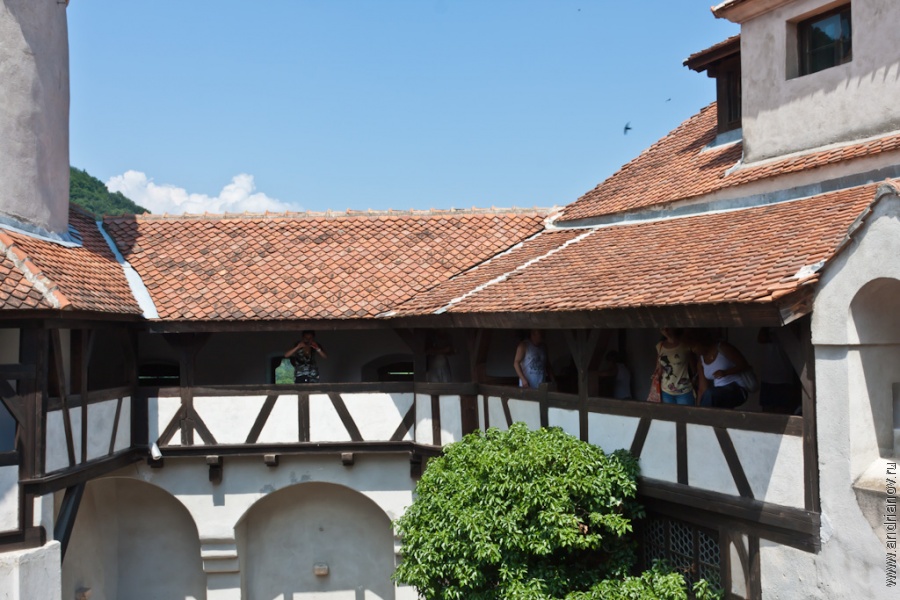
(627, 128)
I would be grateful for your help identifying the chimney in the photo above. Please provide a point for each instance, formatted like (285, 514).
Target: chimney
(34, 116)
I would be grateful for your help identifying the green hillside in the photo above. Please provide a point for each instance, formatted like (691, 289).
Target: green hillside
(91, 194)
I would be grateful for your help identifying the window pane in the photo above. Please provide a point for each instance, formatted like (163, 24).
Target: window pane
(825, 41)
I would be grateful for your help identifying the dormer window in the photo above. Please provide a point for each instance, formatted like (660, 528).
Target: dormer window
(825, 41)
(722, 62)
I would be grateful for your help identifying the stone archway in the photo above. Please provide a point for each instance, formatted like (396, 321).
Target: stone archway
(133, 540)
(316, 541)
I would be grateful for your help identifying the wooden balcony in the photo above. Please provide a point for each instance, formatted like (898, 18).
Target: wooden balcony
(737, 465)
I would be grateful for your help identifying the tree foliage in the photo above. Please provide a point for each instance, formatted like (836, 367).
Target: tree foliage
(527, 515)
(91, 194)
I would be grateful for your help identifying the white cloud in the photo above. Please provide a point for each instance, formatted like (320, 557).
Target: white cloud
(238, 196)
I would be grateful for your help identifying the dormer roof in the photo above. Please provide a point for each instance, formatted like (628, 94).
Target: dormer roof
(700, 61)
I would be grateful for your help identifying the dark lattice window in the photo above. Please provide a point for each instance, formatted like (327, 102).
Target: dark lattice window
(689, 549)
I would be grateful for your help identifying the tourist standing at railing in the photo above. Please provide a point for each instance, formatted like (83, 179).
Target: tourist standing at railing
(530, 362)
(721, 368)
(303, 357)
(675, 360)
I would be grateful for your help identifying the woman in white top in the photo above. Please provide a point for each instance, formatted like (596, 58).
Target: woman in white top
(720, 365)
(530, 362)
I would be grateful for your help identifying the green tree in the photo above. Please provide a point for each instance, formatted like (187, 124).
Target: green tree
(528, 515)
(91, 194)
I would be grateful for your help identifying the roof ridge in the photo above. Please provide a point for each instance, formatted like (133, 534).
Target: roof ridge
(329, 214)
(47, 288)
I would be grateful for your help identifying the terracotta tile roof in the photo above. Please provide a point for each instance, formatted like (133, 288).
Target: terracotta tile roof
(676, 168)
(449, 292)
(742, 256)
(40, 274)
(306, 267)
(16, 292)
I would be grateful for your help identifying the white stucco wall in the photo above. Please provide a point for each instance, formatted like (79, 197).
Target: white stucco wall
(783, 113)
(31, 574)
(851, 563)
(101, 418)
(34, 114)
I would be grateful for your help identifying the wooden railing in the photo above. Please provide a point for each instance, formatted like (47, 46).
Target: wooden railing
(728, 462)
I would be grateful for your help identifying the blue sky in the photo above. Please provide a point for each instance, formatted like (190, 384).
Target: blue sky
(335, 104)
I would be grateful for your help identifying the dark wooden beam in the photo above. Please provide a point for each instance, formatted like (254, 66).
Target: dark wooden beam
(409, 420)
(31, 537)
(261, 418)
(507, 414)
(640, 436)
(436, 420)
(792, 526)
(810, 435)
(303, 422)
(346, 417)
(304, 448)
(469, 406)
(16, 371)
(681, 452)
(479, 343)
(65, 519)
(63, 393)
(34, 345)
(115, 429)
(754, 584)
(82, 347)
(14, 403)
(83, 473)
(734, 463)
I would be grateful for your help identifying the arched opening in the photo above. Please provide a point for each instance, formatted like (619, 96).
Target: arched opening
(316, 540)
(133, 540)
(875, 314)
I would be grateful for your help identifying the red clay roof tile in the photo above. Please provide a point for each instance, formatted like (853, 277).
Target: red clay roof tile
(84, 278)
(678, 168)
(748, 255)
(306, 267)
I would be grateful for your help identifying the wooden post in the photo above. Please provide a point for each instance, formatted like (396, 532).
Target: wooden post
(188, 345)
(582, 345)
(479, 342)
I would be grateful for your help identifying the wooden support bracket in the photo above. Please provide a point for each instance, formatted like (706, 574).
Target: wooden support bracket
(215, 463)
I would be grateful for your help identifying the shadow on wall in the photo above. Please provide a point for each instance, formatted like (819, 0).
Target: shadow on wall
(133, 540)
(315, 540)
